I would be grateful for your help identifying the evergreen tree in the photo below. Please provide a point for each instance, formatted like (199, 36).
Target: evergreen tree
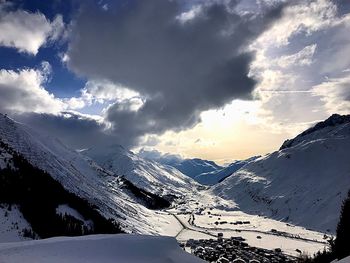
(38, 195)
(342, 242)
(339, 248)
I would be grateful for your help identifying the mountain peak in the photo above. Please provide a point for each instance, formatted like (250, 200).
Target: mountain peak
(332, 121)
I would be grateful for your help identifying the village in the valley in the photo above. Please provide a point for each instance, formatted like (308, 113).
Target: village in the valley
(234, 249)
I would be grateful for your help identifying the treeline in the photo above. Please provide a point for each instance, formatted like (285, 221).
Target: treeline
(38, 195)
(149, 200)
(340, 247)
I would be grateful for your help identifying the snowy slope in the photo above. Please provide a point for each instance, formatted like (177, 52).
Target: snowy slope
(217, 176)
(202, 171)
(12, 224)
(82, 176)
(329, 128)
(152, 176)
(97, 248)
(303, 183)
(190, 167)
(344, 260)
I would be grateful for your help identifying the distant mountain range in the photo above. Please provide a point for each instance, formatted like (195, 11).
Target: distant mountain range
(203, 171)
(216, 176)
(163, 180)
(193, 167)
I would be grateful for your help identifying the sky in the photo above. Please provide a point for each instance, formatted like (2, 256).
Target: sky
(215, 79)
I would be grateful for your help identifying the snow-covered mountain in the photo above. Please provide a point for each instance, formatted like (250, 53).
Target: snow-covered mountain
(163, 180)
(203, 171)
(216, 176)
(190, 167)
(111, 193)
(325, 129)
(12, 224)
(194, 167)
(303, 183)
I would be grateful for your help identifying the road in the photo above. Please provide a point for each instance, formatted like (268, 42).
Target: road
(193, 227)
(186, 227)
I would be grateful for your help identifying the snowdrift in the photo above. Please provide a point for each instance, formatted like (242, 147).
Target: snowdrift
(97, 248)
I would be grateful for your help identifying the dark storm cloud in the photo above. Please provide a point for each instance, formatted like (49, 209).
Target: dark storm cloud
(73, 130)
(180, 68)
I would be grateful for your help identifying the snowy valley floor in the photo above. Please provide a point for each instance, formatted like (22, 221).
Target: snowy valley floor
(257, 231)
(184, 222)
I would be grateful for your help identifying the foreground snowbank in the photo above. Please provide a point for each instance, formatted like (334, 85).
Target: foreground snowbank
(96, 248)
(344, 260)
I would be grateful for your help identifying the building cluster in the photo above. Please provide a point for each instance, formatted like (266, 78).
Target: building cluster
(232, 223)
(233, 250)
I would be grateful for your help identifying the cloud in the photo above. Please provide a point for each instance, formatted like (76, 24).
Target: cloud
(22, 91)
(335, 94)
(289, 64)
(301, 58)
(304, 17)
(75, 103)
(180, 67)
(26, 31)
(150, 141)
(336, 45)
(68, 126)
(103, 90)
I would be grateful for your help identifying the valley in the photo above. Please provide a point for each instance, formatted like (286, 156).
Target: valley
(253, 204)
(289, 239)
(257, 231)
(174, 131)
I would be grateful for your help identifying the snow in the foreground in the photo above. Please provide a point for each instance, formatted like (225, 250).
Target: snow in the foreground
(344, 260)
(97, 248)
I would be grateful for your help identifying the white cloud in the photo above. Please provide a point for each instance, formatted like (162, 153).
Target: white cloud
(335, 93)
(291, 58)
(307, 17)
(26, 31)
(22, 91)
(275, 80)
(190, 14)
(75, 103)
(106, 93)
(301, 58)
(102, 91)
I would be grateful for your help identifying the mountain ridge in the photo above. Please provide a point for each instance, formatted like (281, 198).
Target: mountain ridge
(333, 120)
(304, 183)
(82, 176)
